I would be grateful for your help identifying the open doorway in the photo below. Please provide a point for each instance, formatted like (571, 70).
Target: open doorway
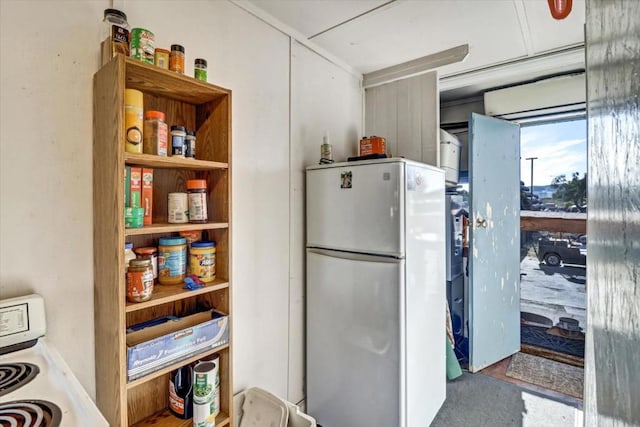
(553, 252)
(553, 246)
(553, 256)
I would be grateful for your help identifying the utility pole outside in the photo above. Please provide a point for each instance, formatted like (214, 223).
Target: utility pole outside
(532, 159)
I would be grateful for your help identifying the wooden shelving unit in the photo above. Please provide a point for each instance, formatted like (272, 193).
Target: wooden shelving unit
(166, 419)
(172, 228)
(206, 108)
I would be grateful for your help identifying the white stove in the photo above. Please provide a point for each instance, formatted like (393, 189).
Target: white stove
(37, 388)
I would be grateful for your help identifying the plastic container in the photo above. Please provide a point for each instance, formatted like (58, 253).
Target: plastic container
(128, 256)
(142, 45)
(139, 280)
(190, 144)
(155, 133)
(172, 260)
(202, 260)
(128, 252)
(133, 120)
(178, 135)
(176, 58)
(297, 418)
(178, 208)
(449, 156)
(161, 58)
(197, 189)
(133, 217)
(191, 236)
(115, 34)
(263, 408)
(151, 254)
(200, 69)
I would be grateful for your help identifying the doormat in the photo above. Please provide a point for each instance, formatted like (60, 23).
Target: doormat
(538, 336)
(547, 373)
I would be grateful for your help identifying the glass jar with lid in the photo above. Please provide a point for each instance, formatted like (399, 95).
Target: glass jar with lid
(139, 280)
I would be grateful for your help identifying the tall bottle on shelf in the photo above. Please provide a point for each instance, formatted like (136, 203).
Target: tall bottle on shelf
(181, 393)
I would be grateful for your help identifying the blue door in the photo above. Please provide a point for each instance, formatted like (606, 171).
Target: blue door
(494, 246)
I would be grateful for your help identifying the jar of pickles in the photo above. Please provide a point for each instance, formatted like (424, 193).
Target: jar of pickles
(139, 280)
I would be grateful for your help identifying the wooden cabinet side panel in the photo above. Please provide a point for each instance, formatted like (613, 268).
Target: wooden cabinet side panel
(108, 240)
(148, 398)
(213, 130)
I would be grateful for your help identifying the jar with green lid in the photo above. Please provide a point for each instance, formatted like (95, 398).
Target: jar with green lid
(172, 260)
(139, 280)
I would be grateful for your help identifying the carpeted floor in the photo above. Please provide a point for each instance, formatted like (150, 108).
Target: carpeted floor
(481, 401)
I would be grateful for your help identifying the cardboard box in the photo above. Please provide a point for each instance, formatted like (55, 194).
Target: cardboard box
(147, 195)
(135, 187)
(156, 347)
(127, 186)
(373, 145)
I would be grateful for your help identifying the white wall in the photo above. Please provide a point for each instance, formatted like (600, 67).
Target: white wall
(46, 137)
(49, 54)
(323, 99)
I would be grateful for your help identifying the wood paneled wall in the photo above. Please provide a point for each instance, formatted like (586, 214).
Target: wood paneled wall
(407, 113)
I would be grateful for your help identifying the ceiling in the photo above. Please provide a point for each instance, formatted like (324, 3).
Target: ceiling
(373, 34)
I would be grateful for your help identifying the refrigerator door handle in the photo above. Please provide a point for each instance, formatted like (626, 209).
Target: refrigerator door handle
(354, 256)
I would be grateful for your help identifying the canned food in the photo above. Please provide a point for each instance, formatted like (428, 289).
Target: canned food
(142, 45)
(206, 393)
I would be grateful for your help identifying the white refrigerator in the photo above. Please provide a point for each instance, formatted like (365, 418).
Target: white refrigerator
(375, 295)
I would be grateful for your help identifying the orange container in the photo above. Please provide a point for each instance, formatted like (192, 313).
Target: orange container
(373, 145)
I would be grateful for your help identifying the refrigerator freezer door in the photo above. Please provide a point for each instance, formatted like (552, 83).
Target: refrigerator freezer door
(357, 208)
(425, 297)
(353, 339)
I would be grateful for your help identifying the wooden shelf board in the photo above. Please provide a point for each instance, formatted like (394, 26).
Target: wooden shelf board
(165, 418)
(163, 371)
(163, 294)
(151, 79)
(170, 228)
(567, 222)
(161, 162)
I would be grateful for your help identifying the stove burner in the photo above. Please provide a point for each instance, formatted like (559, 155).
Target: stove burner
(15, 375)
(29, 413)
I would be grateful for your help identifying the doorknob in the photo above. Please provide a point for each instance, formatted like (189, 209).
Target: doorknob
(481, 223)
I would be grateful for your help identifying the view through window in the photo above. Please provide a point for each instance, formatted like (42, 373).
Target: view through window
(556, 153)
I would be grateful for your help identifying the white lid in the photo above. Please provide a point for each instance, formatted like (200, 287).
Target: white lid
(262, 408)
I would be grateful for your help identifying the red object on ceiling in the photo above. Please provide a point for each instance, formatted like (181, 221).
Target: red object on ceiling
(560, 9)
